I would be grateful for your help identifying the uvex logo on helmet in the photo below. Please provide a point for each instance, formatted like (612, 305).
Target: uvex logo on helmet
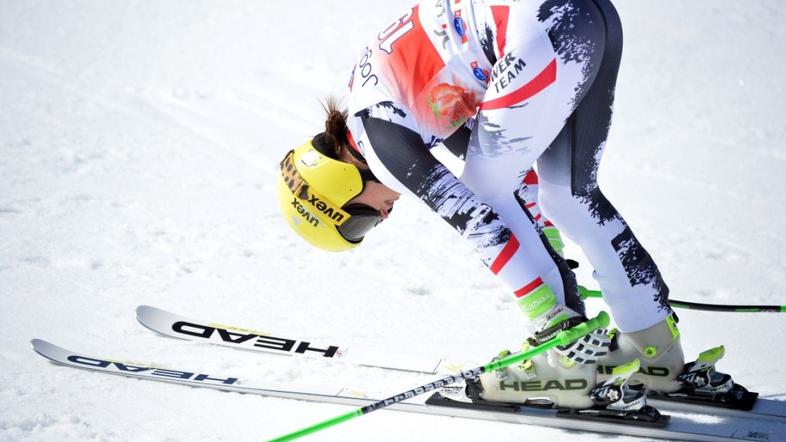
(325, 208)
(301, 209)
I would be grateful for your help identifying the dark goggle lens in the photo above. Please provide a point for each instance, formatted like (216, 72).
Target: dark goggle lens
(362, 219)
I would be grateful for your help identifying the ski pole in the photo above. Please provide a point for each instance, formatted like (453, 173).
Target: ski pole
(564, 337)
(585, 293)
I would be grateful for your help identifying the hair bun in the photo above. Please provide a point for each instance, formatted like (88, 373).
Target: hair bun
(335, 123)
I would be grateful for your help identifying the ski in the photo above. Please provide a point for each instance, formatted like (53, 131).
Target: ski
(676, 427)
(181, 327)
(176, 326)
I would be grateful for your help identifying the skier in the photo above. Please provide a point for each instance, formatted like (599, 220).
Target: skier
(504, 85)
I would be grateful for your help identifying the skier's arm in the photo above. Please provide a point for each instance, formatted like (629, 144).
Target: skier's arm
(402, 161)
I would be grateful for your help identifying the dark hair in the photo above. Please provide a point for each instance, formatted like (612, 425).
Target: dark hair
(335, 124)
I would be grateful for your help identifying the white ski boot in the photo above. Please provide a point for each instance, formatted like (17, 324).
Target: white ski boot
(659, 350)
(572, 390)
(536, 381)
(562, 376)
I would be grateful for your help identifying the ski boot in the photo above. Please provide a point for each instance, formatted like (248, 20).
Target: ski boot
(535, 381)
(562, 376)
(571, 389)
(660, 353)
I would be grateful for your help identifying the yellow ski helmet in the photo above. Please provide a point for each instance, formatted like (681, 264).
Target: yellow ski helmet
(313, 192)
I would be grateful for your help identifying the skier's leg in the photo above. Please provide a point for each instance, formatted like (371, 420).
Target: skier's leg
(631, 283)
(527, 199)
(536, 84)
(513, 130)
(570, 196)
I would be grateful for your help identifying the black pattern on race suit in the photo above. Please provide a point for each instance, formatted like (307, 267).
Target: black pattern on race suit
(573, 42)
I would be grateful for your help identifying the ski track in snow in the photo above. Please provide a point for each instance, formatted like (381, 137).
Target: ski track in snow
(139, 144)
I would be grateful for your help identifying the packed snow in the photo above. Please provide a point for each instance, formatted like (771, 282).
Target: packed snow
(139, 146)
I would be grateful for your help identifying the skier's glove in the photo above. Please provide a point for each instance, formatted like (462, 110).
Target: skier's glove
(585, 350)
(588, 349)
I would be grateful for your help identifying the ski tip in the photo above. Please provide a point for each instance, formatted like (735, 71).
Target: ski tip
(42, 347)
(50, 351)
(38, 345)
(141, 309)
(147, 310)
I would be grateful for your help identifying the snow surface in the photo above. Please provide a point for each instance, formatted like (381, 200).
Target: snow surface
(139, 143)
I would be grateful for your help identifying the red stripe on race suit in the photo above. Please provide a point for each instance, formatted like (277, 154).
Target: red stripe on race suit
(504, 256)
(501, 14)
(531, 177)
(527, 289)
(541, 81)
(351, 140)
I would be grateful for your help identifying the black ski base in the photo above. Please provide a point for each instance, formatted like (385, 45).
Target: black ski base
(646, 417)
(739, 398)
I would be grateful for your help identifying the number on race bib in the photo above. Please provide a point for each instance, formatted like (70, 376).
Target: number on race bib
(395, 31)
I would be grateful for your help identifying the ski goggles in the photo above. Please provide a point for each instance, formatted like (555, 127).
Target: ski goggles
(362, 219)
(341, 183)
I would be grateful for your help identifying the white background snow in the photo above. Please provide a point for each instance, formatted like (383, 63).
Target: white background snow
(139, 144)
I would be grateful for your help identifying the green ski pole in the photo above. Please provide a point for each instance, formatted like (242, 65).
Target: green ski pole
(562, 338)
(585, 293)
